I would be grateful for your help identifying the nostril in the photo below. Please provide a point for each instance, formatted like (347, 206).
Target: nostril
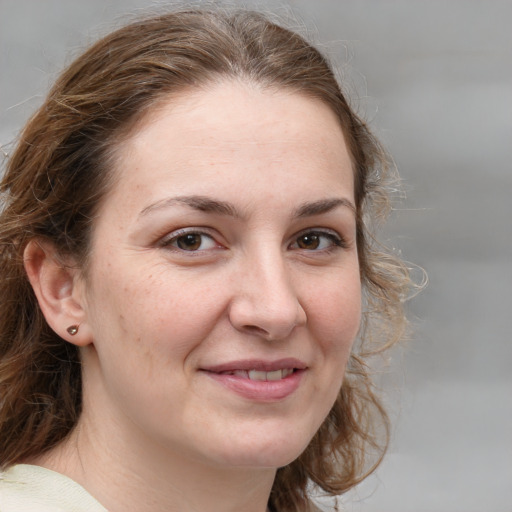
(268, 318)
(257, 331)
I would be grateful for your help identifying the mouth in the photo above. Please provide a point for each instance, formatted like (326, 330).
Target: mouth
(259, 369)
(261, 375)
(259, 380)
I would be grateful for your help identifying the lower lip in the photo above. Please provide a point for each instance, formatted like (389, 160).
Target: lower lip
(260, 390)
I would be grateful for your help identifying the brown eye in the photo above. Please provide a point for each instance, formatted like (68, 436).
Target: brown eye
(318, 241)
(309, 241)
(189, 242)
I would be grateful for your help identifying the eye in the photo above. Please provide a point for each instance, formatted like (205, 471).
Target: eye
(317, 241)
(190, 241)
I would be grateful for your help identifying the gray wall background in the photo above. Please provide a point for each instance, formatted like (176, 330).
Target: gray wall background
(435, 80)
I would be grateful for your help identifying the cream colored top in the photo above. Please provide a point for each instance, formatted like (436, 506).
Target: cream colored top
(26, 488)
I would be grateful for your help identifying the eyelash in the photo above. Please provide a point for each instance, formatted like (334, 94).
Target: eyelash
(336, 240)
(316, 235)
(173, 239)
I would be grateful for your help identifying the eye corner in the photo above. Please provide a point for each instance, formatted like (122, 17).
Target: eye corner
(318, 240)
(190, 241)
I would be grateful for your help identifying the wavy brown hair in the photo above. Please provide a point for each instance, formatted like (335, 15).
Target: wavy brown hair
(61, 169)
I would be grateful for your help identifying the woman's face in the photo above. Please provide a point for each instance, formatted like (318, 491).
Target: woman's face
(223, 291)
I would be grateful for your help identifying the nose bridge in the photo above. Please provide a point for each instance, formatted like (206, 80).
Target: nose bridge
(266, 301)
(272, 278)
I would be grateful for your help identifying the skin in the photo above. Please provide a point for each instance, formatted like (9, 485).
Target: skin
(263, 278)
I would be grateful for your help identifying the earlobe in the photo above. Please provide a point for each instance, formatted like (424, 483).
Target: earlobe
(57, 287)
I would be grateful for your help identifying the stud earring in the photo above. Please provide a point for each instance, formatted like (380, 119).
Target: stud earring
(72, 329)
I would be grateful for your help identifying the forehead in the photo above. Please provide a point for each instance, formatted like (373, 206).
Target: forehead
(234, 130)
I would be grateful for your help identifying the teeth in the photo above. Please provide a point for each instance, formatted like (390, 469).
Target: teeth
(275, 375)
(261, 375)
(257, 375)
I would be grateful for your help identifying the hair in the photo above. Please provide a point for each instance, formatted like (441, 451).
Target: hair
(62, 167)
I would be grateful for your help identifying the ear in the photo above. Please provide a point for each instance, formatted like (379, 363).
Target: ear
(59, 289)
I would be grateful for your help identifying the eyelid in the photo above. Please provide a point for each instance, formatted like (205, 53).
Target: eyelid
(337, 239)
(167, 240)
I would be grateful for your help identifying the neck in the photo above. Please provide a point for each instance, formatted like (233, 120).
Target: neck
(128, 476)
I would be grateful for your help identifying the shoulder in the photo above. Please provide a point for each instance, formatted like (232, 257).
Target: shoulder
(26, 488)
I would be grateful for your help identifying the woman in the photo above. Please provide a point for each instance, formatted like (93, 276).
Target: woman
(187, 261)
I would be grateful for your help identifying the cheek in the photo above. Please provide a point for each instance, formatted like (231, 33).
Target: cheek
(159, 312)
(335, 312)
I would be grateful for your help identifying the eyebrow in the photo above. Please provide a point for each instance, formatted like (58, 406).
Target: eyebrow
(209, 205)
(201, 203)
(323, 206)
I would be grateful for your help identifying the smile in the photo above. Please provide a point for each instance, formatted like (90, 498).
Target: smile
(261, 375)
(259, 381)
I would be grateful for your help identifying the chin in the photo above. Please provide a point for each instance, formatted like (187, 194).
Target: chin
(272, 453)
(263, 461)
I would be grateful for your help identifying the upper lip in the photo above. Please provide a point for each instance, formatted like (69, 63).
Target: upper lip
(257, 364)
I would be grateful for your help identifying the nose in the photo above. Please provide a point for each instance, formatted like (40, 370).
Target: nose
(265, 303)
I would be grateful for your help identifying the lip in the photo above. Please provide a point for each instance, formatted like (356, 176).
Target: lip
(257, 364)
(258, 390)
